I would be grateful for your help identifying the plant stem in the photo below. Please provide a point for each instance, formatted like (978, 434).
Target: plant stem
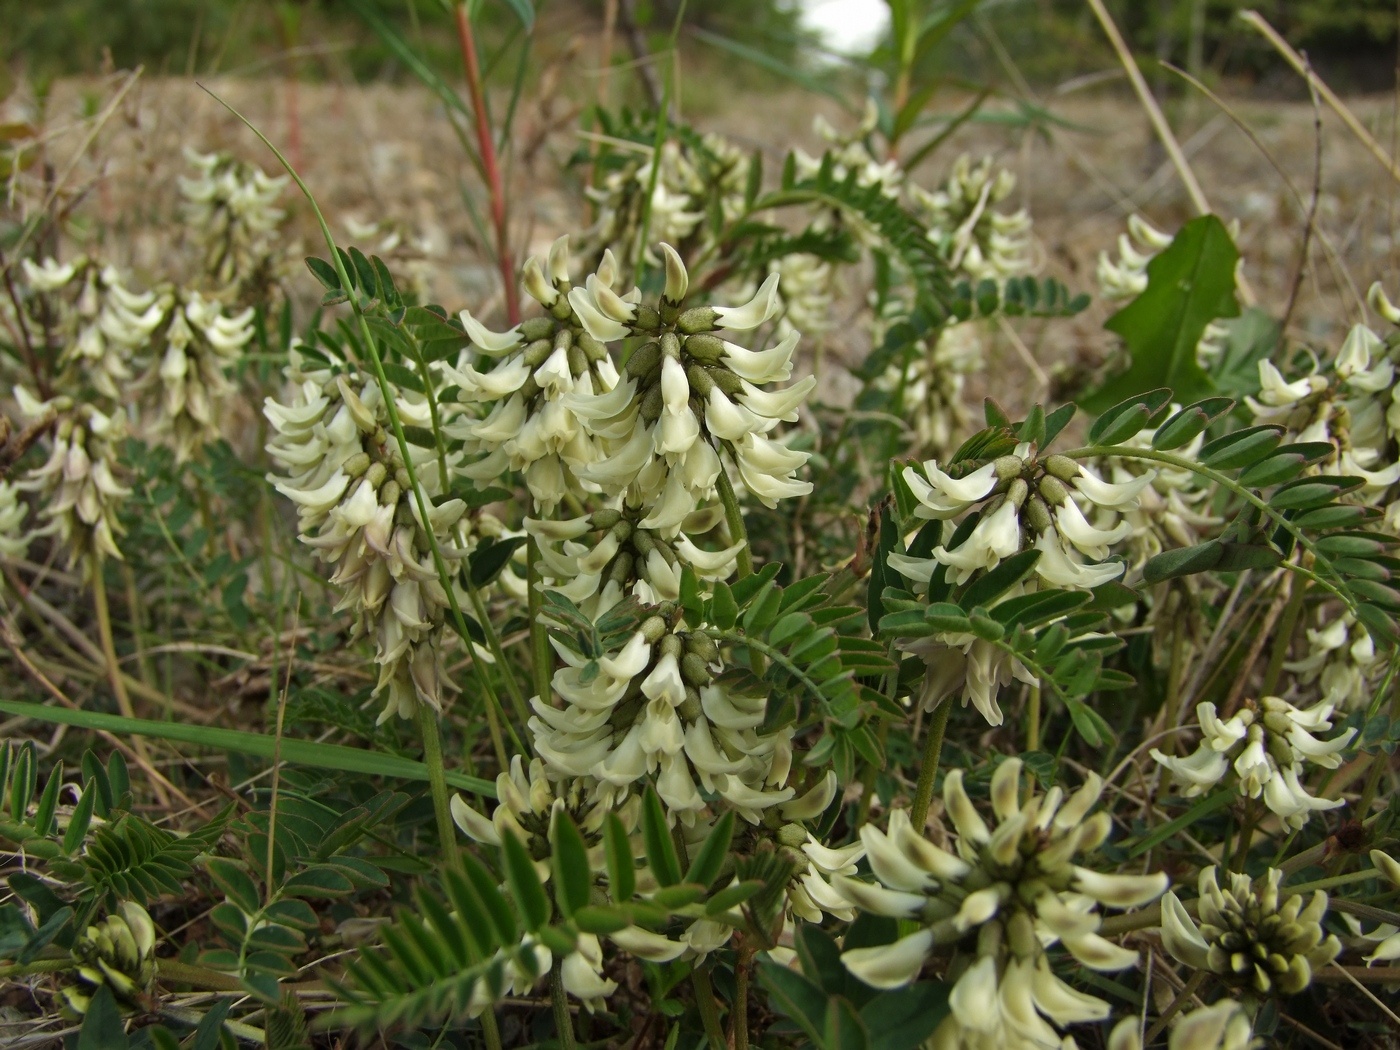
(734, 518)
(563, 1023)
(1033, 719)
(486, 143)
(437, 782)
(114, 672)
(933, 748)
(489, 1031)
(709, 1009)
(1283, 637)
(1183, 997)
(740, 1023)
(541, 657)
(9, 973)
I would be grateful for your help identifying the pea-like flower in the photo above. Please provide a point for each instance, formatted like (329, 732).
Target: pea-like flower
(1267, 746)
(1009, 892)
(78, 486)
(537, 369)
(14, 543)
(357, 510)
(232, 207)
(1250, 933)
(201, 342)
(687, 397)
(1222, 1026)
(1029, 503)
(970, 232)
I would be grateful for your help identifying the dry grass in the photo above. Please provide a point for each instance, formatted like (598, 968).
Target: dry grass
(388, 151)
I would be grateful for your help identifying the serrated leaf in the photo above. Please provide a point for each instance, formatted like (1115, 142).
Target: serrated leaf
(1189, 285)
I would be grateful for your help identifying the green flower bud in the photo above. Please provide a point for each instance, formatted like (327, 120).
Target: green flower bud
(645, 360)
(793, 836)
(595, 350)
(671, 646)
(700, 380)
(1008, 467)
(671, 345)
(605, 519)
(707, 349)
(648, 319)
(690, 708)
(1061, 467)
(653, 629)
(389, 492)
(703, 646)
(1053, 490)
(621, 570)
(727, 381)
(578, 360)
(1018, 492)
(697, 319)
(694, 671)
(652, 404)
(1037, 514)
(536, 328)
(356, 465)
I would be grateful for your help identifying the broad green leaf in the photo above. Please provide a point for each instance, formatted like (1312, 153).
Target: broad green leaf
(1189, 285)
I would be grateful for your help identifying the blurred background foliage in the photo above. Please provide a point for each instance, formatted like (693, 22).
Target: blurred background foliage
(1353, 42)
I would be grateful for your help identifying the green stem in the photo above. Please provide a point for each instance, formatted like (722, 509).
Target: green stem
(743, 965)
(1283, 637)
(30, 969)
(489, 1031)
(104, 631)
(541, 657)
(933, 748)
(563, 1022)
(1192, 983)
(437, 782)
(709, 1009)
(734, 518)
(1226, 482)
(396, 425)
(1033, 719)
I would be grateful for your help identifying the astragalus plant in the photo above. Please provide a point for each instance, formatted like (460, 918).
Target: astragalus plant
(770, 688)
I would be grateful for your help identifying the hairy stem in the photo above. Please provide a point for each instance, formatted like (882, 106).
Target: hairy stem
(743, 966)
(933, 748)
(541, 657)
(734, 518)
(563, 1022)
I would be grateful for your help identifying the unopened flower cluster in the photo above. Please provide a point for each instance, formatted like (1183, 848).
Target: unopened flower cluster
(232, 208)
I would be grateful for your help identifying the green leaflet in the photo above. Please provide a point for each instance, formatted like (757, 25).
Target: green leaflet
(1189, 285)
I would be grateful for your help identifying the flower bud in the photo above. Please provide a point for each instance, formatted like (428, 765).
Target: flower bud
(700, 380)
(792, 835)
(1008, 467)
(727, 381)
(670, 645)
(536, 328)
(1037, 514)
(697, 319)
(677, 279)
(694, 671)
(1387, 866)
(671, 345)
(645, 360)
(653, 629)
(1053, 490)
(1017, 492)
(649, 319)
(1062, 467)
(652, 404)
(707, 349)
(357, 465)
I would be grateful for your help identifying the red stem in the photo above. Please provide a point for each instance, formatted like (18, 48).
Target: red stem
(487, 145)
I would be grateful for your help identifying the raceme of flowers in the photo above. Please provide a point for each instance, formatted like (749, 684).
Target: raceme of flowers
(1221, 1026)
(687, 398)
(1252, 933)
(79, 493)
(1026, 502)
(1010, 892)
(972, 235)
(232, 207)
(118, 953)
(357, 510)
(1267, 747)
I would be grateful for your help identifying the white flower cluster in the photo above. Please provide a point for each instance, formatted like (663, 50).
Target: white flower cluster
(971, 234)
(190, 373)
(1350, 401)
(850, 152)
(1341, 662)
(808, 284)
(1268, 745)
(660, 706)
(357, 511)
(14, 543)
(79, 494)
(1222, 1026)
(1386, 936)
(540, 369)
(1011, 891)
(232, 207)
(98, 324)
(1251, 933)
(930, 386)
(1045, 504)
(692, 178)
